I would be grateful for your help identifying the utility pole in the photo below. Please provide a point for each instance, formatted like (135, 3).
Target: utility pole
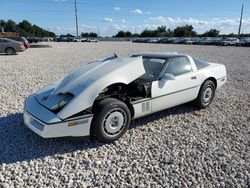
(98, 32)
(76, 20)
(242, 8)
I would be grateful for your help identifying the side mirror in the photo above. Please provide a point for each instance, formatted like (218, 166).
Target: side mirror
(167, 76)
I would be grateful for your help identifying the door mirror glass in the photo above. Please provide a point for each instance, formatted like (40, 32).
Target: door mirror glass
(167, 76)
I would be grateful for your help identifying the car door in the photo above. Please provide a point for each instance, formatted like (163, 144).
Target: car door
(182, 86)
(2, 45)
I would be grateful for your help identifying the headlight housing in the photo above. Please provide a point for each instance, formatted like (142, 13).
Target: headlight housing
(67, 97)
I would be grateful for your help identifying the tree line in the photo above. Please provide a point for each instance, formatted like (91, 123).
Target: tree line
(83, 35)
(25, 28)
(181, 31)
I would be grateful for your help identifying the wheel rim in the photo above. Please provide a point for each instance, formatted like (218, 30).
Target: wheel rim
(207, 95)
(114, 122)
(9, 51)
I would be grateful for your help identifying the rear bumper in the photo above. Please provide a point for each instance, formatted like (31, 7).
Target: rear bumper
(46, 124)
(21, 49)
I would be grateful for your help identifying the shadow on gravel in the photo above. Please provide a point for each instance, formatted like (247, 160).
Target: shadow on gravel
(18, 143)
(40, 46)
(4, 54)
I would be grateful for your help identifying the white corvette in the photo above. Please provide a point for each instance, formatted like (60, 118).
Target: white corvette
(101, 97)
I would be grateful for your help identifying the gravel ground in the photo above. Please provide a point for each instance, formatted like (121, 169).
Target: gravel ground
(178, 147)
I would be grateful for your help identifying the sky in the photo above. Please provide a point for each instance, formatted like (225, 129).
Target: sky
(107, 17)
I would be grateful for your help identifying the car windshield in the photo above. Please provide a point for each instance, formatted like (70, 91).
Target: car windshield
(25, 40)
(153, 67)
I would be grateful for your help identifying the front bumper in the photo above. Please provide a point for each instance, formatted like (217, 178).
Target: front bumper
(46, 124)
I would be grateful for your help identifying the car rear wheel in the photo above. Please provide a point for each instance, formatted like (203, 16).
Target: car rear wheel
(10, 51)
(111, 120)
(206, 94)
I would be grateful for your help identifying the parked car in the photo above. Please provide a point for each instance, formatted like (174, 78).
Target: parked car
(101, 97)
(83, 40)
(94, 40)
(64, 39)
(164, 40)
(91, 40)
(47, 39)
(34, 39)
(189, 41)
(77, 40)
(22, 40)
(10, 47)
(206, 41)
(180, 40)
(140, 40)
(230, 41)
(169, 40)
(216, 41)
(153, 40)
(244, 42)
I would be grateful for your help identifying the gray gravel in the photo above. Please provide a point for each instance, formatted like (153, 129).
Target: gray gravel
(178, 147)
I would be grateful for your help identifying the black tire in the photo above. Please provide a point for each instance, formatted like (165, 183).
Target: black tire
(110, 114)
(10, 51)
(202, 101)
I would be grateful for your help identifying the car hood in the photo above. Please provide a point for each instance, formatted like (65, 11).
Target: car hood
(82, 86)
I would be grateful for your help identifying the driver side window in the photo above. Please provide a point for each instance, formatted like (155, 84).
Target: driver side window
(2, 41)
(178, 66)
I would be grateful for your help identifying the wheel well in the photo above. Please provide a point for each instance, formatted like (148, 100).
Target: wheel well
(9, 48)
(116, 87)
(213, 80)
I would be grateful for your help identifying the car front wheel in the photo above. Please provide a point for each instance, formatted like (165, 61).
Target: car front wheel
(10, 51)
(206, 94)
(111, 120)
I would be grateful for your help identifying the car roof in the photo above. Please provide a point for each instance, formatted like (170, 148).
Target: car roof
(9, 40)
(159, 54)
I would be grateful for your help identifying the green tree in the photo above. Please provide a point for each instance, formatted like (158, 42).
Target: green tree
(231, 35)
(159, 32)
(67, 35)
(135, 35)
(185, 31)
(85, 34)
(128, 34)
(10, 26)
(147, 33)
(92, 34)
(121, 34)
(2, 25)
(211, 33)
(26, 26)
(169, 33)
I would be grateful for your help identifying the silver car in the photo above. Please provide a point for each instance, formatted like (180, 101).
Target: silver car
(10, 47)
(100, 98)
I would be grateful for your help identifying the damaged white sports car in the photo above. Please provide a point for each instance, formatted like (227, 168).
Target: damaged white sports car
(101, 97)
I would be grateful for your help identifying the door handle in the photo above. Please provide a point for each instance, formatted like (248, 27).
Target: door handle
(193, 77)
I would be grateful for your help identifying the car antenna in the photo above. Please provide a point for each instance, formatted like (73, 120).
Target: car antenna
(115, 55)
